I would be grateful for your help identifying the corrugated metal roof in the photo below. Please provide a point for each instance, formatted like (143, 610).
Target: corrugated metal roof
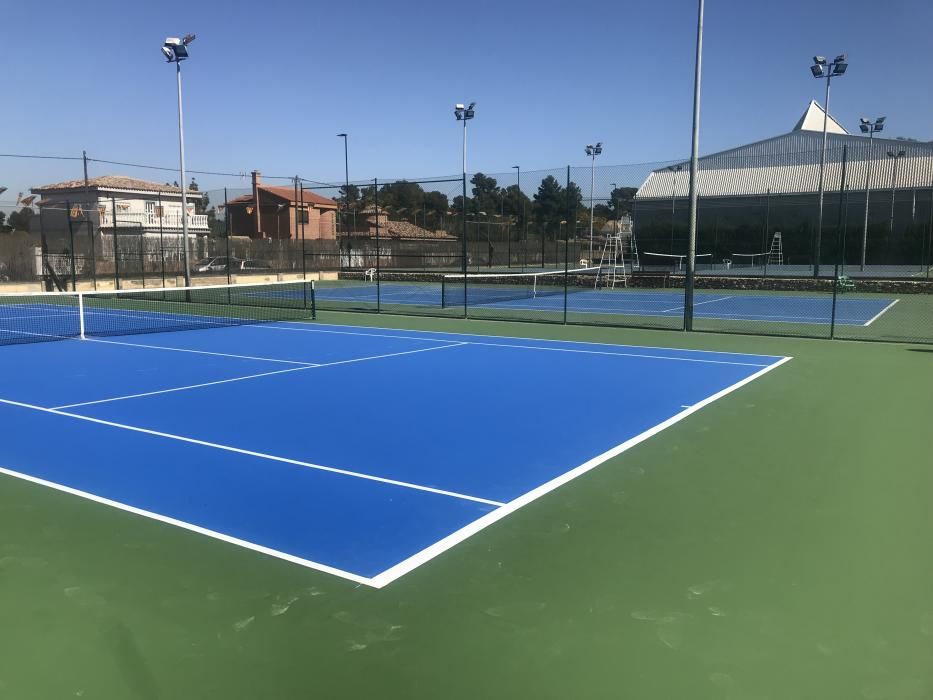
(790, 164)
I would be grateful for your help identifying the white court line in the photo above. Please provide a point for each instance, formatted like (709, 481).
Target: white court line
(535, 347)
(190, 526)
(441, 546)
(253, 376)
(881, 313)
(316, 328)
(696, 303)
(201, 352)
(253, 453)
(186, 388)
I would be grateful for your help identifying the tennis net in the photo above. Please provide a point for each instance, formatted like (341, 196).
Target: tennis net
(44, 316)
(492, 287)
(673, 262)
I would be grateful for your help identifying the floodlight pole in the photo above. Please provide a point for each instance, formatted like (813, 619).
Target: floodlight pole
(694, 165)
(819, 221)
(184, 188)
(592, 185)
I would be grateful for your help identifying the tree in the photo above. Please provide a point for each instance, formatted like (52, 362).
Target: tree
(550, 204)
(21, 220)
(487, 196)
(621, 201)
(2, 218)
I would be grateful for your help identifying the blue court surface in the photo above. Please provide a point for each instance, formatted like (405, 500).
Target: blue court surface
(356, 451)
(726, 305)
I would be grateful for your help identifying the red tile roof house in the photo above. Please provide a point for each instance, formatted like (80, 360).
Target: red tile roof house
(142, 207)
(275, 215)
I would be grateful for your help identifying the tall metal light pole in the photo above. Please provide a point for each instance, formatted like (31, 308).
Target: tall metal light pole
(175, 51)
(592, 151)
(868, 127)
(694, 166)
(346, 188)
(464, 114)
(674, 169)
(822, 69)
(896, 156)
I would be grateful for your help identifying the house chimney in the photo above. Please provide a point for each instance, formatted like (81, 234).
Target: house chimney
(257, 178)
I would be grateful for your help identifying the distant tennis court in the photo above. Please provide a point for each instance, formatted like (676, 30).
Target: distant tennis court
(544, 292)
(360, 452)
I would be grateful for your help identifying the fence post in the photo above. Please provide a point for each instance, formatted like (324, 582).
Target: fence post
(571, 217)
(161, 239)
(71, 237)
(842, 204)
(116, 249)
(463, 213)
(305, 213)
(378, 256)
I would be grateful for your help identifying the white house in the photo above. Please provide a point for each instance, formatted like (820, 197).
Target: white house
(141, 207)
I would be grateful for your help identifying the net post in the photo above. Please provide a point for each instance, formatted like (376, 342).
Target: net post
(309, 286)
(443, 291)
(81, 328)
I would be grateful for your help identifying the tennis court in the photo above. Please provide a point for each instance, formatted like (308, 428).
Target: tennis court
(250, 430)
(525, 292)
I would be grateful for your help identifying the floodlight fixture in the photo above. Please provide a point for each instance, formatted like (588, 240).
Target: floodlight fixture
(880, 120)
(817, 70)
(841, 58)
(175, 49)
(819, 60)
(2, 190)
(840, 68)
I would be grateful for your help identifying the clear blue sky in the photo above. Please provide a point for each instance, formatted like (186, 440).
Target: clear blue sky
(269, 84)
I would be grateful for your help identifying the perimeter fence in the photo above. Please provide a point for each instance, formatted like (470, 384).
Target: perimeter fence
(568, 245)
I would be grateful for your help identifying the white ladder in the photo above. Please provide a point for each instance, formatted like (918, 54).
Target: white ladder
(776, 254)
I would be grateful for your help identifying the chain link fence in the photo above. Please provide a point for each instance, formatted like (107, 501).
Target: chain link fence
(600, 245)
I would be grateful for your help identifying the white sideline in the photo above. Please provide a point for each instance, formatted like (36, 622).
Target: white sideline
(317, 566)
(441, 546)
(881, 313)
(528, 347)
(253, 453)
(317, 329)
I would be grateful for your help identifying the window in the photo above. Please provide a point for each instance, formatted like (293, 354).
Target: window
(303, 216)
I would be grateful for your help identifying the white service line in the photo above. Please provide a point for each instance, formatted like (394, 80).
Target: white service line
(253, 453)
(317, 566)
(441, 546)
(186, 388)
(881, 313)
(535, 347)
(201, 352)
(696, 303)
(304, 366)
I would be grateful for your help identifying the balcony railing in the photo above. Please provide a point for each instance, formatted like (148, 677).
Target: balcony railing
(169, 222)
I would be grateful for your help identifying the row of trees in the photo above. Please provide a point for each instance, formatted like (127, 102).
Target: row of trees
(549, 205)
